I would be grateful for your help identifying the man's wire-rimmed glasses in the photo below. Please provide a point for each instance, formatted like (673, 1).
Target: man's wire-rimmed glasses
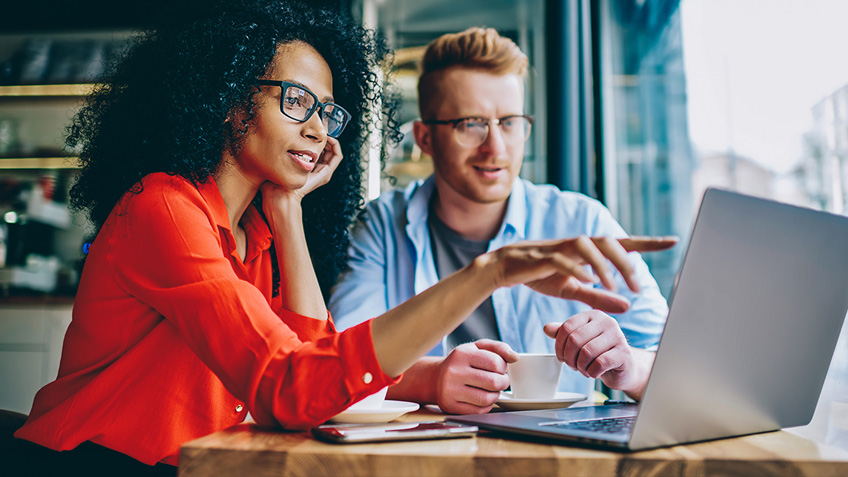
(298, 103)
(473, 131)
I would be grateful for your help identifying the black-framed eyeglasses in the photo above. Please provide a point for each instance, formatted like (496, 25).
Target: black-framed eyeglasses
(298, 103)
(473, 131)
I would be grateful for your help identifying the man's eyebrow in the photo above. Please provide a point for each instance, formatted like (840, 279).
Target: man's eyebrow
(325, 99)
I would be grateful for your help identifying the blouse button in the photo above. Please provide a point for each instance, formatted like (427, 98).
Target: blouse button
(239, 408)
(367, 378)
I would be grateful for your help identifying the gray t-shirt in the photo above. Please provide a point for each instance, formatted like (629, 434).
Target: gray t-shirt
(452, 252)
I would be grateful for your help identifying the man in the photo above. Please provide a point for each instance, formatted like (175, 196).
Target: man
(471, 99)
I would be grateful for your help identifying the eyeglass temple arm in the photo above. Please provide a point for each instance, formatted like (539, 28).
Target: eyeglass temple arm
(457, 121)
(452, 122)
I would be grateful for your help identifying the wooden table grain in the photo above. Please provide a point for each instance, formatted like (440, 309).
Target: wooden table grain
(247, 449)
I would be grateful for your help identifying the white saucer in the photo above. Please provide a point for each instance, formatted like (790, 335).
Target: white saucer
(561, 400)
(390, 410)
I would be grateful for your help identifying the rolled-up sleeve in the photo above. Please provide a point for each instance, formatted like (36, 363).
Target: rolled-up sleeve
(288, 368)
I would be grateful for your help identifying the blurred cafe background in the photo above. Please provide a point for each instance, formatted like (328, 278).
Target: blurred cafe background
(641, 104)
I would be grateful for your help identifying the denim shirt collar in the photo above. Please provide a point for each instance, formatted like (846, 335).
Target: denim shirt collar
(418, 197)
(515, 221)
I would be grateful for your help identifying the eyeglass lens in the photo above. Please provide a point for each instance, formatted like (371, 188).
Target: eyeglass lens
(299, 104)
(472, 132)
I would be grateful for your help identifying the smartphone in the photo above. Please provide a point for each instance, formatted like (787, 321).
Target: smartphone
(398, 431)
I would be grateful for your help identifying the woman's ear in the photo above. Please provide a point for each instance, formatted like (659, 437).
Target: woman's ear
(237, 118)
(235, 114)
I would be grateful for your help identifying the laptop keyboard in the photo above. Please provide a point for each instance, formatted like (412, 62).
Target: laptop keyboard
(611, 425)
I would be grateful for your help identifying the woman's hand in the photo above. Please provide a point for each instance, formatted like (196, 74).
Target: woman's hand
(299, 287)
(554, 267)
(558, 267)
(327, 163)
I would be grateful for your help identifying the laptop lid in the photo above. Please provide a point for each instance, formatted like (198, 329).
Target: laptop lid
(752, 326)
(753, 322)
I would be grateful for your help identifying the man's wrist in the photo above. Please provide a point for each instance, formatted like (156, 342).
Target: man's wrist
(419, 382)
(643, 361)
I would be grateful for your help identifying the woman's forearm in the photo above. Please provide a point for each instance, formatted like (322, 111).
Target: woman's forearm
(552, 267)
(299, 287)
(407, 332)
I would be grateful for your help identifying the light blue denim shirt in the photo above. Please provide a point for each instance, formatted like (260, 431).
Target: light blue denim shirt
(391, 260)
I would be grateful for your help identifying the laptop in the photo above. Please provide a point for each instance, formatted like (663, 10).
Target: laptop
(753, 321)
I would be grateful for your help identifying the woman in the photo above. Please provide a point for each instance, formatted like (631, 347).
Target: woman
(218, 166)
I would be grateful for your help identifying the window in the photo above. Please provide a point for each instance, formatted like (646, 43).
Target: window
(750, 95)
(648, 161)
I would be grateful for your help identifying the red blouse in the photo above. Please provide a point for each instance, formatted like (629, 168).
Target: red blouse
(173, 337)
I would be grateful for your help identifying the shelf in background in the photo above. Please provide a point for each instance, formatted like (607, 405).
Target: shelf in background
(39, 162)
(19, 298)
(45, 90)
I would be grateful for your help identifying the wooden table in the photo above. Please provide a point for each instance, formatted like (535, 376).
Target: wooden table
(247, 449)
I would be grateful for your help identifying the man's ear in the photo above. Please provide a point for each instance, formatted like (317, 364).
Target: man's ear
(423, 137)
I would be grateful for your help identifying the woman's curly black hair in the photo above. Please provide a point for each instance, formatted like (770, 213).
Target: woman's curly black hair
(164, 106)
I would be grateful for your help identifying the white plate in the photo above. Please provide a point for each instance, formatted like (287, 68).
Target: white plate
(561, 400)
(390, 410)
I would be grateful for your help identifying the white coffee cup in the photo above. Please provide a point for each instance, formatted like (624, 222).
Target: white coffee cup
(534, 376)
(372, 402)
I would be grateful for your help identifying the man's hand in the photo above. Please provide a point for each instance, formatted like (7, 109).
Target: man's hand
(593, 344)
(472, 376)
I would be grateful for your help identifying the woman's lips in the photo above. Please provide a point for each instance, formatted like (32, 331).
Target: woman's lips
(305, 159)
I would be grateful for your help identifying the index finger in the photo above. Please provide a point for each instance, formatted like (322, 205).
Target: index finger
(601, 299)
(331, 156)
(618, 256)
(648, 244)
(336, 148)
(498, 347)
